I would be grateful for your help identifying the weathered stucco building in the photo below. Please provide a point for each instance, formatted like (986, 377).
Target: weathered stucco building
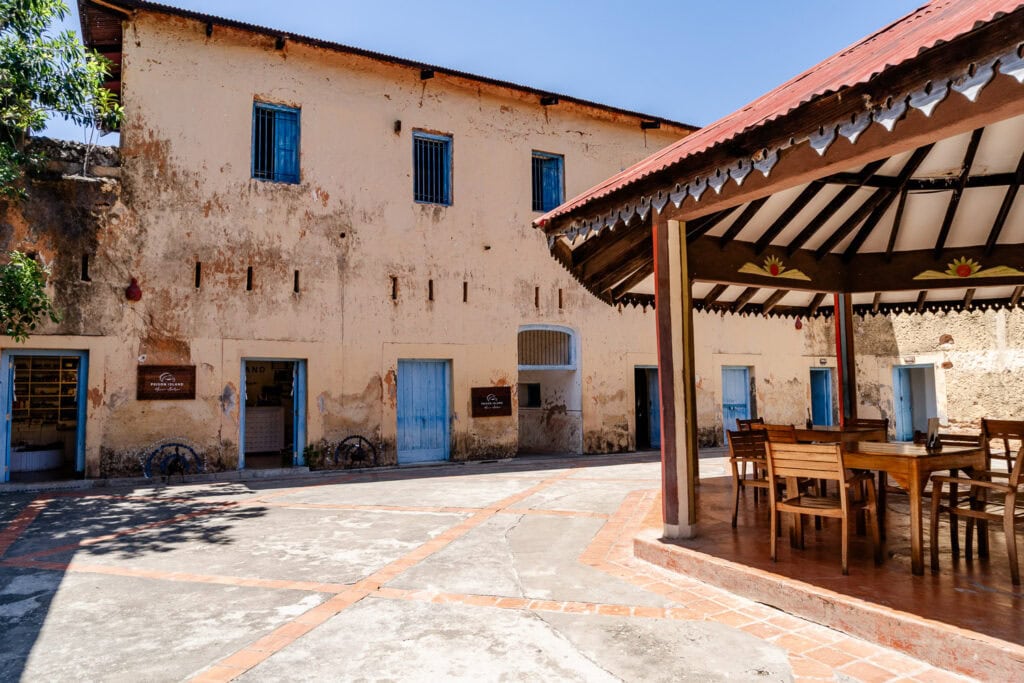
(336, 243)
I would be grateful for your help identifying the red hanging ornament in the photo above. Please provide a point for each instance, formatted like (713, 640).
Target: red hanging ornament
(133, 292)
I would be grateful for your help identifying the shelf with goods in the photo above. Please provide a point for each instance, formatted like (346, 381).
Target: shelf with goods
(46, 390)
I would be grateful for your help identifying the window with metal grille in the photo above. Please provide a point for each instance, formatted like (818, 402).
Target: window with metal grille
(432, 168)
(547, 181)
(275, 143)
(545, 348)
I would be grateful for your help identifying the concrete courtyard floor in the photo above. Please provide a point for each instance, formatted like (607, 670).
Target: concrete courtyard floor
(512, 570)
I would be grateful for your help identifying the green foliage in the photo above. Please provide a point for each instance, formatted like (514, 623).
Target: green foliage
(43, 73)
(23, 299)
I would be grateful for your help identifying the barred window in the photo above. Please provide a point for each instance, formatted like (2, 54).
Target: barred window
(545, 348)
(548, 181)
(432, 168)
(275, 143)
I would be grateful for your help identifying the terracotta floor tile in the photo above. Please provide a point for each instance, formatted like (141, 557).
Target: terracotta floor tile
(934, 675)
(867, 672)
(614, 610)
(796, 644)
(648, 612)
(513, 603)
(830, 656)
(244, 659)
(579, 608)
(763, 630)
(217, 674)
(804, 667)
(898, 663)
(733, 618)
(858, 648)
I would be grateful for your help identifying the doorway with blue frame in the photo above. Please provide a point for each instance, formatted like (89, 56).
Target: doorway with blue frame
(273, 414)
(737, 397)
(648, 407)
(42, 436)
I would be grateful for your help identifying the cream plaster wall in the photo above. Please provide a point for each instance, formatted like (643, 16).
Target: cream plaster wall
(348, 227)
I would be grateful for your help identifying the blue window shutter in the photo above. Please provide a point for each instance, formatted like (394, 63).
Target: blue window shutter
(286, 146)
(552, 181)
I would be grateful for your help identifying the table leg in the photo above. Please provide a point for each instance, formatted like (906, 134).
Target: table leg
(916, 524)
(954, 522)
(882, 498)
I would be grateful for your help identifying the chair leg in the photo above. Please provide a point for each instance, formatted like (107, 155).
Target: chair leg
(969, 539)
(1011, 540)
(736, 502)
(876, 535)
(775, 532)
(933, 535)
(954, 521)
(846, 544)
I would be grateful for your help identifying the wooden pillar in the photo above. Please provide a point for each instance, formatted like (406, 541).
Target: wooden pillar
(676, 376)
(845, 359)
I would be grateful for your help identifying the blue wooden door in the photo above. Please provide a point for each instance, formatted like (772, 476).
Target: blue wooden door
(6, 405)
(423, 425)
(735, 396)
(654, 407)
(821, 396)
(903, 406)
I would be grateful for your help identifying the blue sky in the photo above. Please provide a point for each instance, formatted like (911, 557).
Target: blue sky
(685, 60)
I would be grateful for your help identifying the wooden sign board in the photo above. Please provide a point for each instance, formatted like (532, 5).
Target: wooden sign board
(491, 401)
(166, 383)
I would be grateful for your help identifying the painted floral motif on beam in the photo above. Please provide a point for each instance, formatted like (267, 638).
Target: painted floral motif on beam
(773, 267)
(964, 267)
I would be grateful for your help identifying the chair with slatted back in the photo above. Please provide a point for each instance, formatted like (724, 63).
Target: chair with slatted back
(949, 439)
(744, 425)
(819, 461)
(869, 423)
(1002, 439)
(777, 432)
(747, 448)
(992, 499)
(955, 491)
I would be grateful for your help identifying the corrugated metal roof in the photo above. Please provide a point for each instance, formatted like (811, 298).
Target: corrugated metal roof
(130, 5)
(937, 22)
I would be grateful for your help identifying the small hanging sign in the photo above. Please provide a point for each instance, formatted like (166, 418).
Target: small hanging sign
(166, 383)
(491, 401)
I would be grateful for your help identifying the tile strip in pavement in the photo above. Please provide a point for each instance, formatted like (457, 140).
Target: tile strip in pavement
(12, 532)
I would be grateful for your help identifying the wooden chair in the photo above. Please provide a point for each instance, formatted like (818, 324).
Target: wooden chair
(777, 433)
(997, 436)
(870, 423)
(988, 501)
(921, 438)
(955, 492)
(747, 447)
(744, 425)
(819, 461)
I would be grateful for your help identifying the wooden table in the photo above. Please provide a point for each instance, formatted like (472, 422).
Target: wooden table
(836, 434)
(910, 466)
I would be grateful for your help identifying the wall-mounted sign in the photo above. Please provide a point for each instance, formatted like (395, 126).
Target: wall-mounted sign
(166, 383)
(491, 401)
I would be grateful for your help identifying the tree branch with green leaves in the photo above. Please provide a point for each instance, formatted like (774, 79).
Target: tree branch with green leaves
(24, 303)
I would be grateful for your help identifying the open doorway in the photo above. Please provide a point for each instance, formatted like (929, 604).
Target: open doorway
(913, 399)
(43, 433)
(273, 423)
(648, 408)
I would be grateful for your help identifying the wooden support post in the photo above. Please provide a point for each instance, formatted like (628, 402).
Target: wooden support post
(845, 361)
(677, 379)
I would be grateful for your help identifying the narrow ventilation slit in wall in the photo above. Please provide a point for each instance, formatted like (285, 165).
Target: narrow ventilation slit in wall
(295, 283)
(199, 274)
(394, 288)
(430, 290)
(248, 279)
(465, 292)
(85, 268)
(536, 297)
(559, 297)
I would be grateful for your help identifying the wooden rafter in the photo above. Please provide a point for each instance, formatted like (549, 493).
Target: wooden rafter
(613, 253)
(597, 245)
(876, 302)
(773, 301)
(1015, 297)
(1004, 208)
(780, 223)
(629, 263)
(923, 184)
(815, 303)
(897, 221)
(701, 226)
(838, 202)
(921, 298)
(880, 199)
(969, 298)
(958, 191)
(642, 273)
(741, 221)
(744, 298)
(713, 295)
